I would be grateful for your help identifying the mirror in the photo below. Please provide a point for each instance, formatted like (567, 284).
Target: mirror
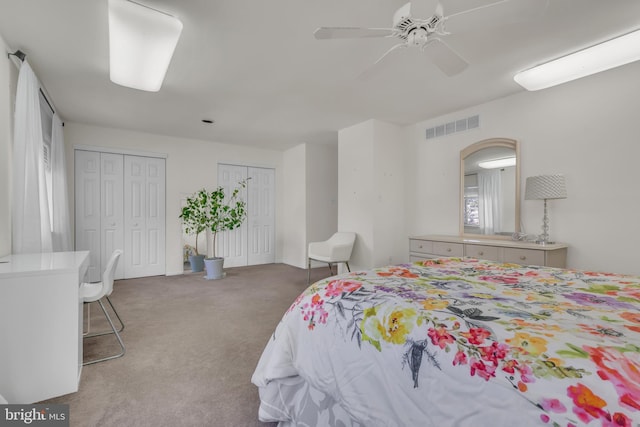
(490, 189)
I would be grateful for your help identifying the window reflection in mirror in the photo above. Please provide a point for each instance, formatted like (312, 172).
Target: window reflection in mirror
(490, 190)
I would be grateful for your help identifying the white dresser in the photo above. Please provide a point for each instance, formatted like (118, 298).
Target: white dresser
(40, 325)
(526, 253)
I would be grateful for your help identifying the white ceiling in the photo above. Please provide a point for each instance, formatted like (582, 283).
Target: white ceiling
(255, 68)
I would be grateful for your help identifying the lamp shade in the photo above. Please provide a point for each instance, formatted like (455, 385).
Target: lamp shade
(544, 187)
(141, 44)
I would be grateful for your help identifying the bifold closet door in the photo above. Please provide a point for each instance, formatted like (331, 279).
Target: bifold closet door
(261, 216)
(232, 245)
(111, 209)
(120, 204)
(144, 216)
(99, 213)
(87, 209)
(254, 242)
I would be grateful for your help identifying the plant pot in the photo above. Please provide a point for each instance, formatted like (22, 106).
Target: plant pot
(197, 263)
(214, 268)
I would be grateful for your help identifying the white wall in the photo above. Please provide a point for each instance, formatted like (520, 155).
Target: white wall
(311, 187)
(321, 193)
(191, 165)
(294, 212)
(388, 187)
(371, 192)
(8, 81)
(355, 192)
(586, 130)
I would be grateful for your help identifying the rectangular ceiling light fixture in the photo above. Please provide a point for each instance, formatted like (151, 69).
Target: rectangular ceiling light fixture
(498, 163)
(610, 54)
(141, 44)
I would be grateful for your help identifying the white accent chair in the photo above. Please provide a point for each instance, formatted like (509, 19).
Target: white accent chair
(335, 250)
(94, 292)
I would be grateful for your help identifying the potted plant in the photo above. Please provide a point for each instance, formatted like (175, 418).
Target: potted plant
(224, 214)
(195, 218)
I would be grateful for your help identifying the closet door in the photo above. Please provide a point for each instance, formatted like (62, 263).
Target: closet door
(144, 216)
(254, 242)
(232, 244)
(111, 208)
(261, 216)
(87, 210)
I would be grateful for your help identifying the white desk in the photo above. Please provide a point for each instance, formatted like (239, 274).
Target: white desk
(40, 325)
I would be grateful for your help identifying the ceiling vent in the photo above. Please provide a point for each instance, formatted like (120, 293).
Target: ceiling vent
(455, 126)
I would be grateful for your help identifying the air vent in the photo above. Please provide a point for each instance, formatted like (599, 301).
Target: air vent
(454, 127)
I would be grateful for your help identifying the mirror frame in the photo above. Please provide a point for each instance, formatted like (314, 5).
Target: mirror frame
(486, 143)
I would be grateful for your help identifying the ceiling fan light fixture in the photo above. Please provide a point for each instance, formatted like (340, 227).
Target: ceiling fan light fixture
(141, 43)
(498, 163)
(601, 57)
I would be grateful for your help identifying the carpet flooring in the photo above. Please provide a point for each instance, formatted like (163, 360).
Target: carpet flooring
(192, 346)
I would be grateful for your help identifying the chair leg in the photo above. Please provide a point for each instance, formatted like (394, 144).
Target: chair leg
(330, 269)
(113, 328)
(347, 263)
(84, 334)
(308, 270)
(98, 334)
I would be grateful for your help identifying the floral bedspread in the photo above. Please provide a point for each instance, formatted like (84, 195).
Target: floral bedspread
(463, 342)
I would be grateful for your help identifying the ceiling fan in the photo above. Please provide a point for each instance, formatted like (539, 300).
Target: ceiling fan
(427, 33)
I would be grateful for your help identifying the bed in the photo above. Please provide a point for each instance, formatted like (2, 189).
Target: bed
(457, 342)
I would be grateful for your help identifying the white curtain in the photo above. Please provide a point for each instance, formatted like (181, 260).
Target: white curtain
(31, 226)
(61, 224)
(489, 195)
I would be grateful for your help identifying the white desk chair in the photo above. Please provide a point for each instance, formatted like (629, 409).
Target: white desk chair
(94, 292)
(335, 250)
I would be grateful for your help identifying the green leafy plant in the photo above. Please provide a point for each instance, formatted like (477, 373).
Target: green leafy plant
(195, 214)
(213, 211)
(226, 215)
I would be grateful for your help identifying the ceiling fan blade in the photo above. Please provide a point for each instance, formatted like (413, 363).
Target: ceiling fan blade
(423, 9)
(351, 32)
(493, 14)
(377, 66)
(445, 58)
(401, 14)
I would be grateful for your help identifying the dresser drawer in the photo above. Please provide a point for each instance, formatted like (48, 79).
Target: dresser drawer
(497, 250)
(448, 249)
(523, 256)
(421, 246)
(482, 252)
(415, 257)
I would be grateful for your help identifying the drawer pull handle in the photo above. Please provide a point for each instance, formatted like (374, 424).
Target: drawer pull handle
(448, 249)
(420, 246)
(480, 253)
(522, 257)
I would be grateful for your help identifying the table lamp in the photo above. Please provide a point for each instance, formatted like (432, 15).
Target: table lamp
(545, 187)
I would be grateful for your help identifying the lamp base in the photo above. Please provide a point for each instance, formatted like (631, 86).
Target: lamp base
(544, 242)
(543, 239)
